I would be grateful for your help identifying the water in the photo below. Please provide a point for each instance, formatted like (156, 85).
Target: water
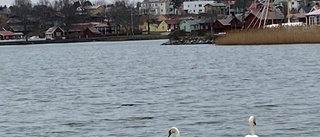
(140, 89)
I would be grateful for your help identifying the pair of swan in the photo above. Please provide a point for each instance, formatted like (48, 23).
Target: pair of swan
(252, 123)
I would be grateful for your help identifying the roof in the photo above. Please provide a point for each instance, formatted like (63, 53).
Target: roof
(153, 1)
(191, 22)
(172, 21)
(94, 30)
(313, 13)
(297, 15)
(6, 33)
(102, 25)
(224, 22)
(92, 7)
(52, 29)
(275, 14)
(216, 4)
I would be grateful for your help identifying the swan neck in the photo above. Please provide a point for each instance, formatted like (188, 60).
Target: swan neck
(252, 130)
(177, 133)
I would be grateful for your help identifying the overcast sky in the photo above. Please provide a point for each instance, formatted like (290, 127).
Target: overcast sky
(9, 2)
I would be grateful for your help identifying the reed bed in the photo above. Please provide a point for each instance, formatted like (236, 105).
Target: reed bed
(280, 35)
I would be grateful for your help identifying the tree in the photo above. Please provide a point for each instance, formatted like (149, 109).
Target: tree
(44, 2)
(121, 15)
(176, 3)
(22, 9)
(100, 2)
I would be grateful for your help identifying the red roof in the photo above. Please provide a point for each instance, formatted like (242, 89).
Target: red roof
(172, 21)
(6, 33)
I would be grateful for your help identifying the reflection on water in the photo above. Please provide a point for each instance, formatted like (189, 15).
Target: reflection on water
(139, 89)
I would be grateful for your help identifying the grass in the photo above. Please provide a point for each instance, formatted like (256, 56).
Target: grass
(281, 35)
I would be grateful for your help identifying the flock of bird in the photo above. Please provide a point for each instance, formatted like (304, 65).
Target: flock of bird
(252, 123)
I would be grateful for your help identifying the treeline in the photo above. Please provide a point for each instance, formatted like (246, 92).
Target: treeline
(35, 18)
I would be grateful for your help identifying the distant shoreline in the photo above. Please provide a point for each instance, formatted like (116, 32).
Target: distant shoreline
(111, 38)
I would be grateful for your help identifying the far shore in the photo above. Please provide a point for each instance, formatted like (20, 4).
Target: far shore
(110, 38)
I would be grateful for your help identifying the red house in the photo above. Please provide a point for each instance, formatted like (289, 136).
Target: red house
(259, 18)
(54, 33)
(84, 30)
(6, 35)
(91, 32)
(229, 23)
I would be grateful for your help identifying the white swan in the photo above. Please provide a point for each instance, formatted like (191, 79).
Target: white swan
(174, 130)
(252, 123)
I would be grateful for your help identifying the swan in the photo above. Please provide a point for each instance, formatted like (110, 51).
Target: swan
(174, 130)
(252, 123)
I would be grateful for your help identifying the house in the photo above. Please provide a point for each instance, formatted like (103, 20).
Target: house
(153, 26)
(297, 17)
(216, 8)
(231, 22)
(6, 35)
(95, 10)
(173, 24)
(91, 32)
(258, 18)
(313, 18)
(54, 33)
(93, 29)
(163, 26)
(189, 25)
(156, 7)
(107, 28)
(196, 7)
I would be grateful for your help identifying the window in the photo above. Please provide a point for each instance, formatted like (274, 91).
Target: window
(156, 4)
(58, 34)
(195, 5)
(311, 20)
(200, 5)
(188, 6)
(161, 4)
(200, 10)
(292, 3)
(161, 10)
(318, 20)
(194, 10)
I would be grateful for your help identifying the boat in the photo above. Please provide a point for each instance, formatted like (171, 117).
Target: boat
(265, 11)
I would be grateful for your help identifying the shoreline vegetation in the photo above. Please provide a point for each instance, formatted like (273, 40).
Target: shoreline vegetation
(271, 36)
(96, 39)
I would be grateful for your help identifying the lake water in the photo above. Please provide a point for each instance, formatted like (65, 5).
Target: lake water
(140, 89)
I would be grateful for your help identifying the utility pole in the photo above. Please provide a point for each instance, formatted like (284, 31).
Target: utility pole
(132, 22)
(243, 13)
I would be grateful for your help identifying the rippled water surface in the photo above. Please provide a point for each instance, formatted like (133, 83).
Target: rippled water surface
(140, 89)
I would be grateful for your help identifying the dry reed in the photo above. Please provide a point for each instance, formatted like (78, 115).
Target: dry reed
(281, 35)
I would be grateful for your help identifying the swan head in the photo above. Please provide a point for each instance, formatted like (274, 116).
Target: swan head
(173, 130)
(252, 121)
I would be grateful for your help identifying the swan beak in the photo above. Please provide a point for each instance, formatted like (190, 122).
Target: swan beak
(169, 134)
(254, 123)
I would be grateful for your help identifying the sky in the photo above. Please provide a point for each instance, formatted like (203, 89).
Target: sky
(9, 2)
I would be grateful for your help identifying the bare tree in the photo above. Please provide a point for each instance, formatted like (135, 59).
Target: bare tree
(44, 2)
(100, 2)
(22, 9)
(22, 3)
(121, 14)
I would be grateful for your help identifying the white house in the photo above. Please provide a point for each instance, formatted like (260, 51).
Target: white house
(313, 18)
(156, 7)
(197, 6)
(292, 4)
